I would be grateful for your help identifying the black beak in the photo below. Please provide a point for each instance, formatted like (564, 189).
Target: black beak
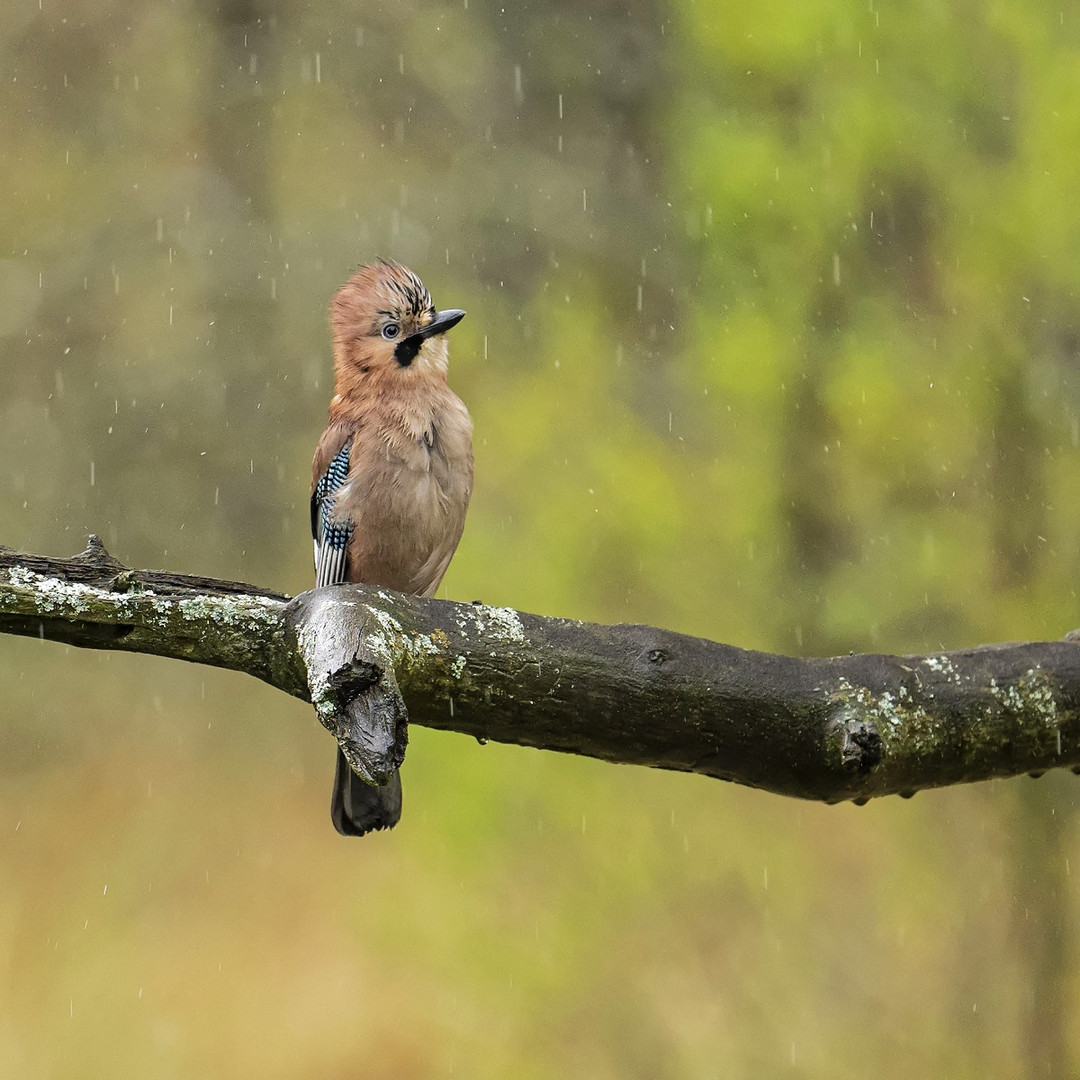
(442, 322)
(407, 348)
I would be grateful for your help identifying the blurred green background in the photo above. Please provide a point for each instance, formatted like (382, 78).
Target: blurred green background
(773, 338)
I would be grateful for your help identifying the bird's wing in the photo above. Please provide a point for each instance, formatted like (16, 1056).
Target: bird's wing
(330, 535)
(427, 579)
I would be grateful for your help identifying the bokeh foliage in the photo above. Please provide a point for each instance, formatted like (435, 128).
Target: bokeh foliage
(772, 338)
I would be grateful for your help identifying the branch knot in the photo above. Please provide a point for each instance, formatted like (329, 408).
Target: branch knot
(860, 750)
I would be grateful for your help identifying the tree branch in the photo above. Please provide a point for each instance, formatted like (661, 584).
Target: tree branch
(850, 727)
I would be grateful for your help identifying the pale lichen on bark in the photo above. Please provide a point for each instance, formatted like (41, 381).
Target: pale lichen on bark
(837, 728)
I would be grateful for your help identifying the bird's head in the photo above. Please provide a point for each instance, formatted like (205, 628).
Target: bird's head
(384, 324)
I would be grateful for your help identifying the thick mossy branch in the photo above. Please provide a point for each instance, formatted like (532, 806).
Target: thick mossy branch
(849, 727)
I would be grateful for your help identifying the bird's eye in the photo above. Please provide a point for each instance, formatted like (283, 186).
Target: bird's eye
(391, 331)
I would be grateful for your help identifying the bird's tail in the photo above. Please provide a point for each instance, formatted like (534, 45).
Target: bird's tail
(358, 807)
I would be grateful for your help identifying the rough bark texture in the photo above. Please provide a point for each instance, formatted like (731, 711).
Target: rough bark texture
(849, 727)
(96, 602)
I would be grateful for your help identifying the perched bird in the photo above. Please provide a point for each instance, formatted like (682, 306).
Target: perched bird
(393, 470)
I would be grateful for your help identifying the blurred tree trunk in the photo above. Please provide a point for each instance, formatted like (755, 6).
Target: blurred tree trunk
(1039, 917)
(1038, 860)
(1041, 925)
(818, 540)
(243, 267)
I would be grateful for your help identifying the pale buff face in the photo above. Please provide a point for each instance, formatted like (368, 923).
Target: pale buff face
(434, 356)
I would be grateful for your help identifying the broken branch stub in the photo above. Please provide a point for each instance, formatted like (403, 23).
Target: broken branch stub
(351, 680)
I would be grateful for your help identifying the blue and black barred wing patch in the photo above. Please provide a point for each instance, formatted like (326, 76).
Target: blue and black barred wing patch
(331, 537)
